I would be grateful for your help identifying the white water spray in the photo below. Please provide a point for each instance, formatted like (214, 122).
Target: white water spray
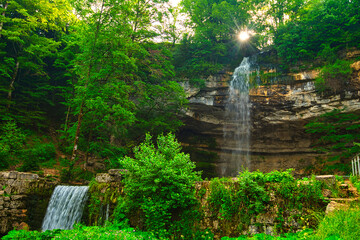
(65, 207)
(238, 122)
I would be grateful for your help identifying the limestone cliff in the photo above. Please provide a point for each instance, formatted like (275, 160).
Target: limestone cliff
(278, 112)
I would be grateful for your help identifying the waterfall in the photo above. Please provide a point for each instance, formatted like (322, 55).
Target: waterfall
(237, 122)
(65, 207)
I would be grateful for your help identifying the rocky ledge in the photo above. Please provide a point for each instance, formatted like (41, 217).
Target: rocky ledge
(278, 112)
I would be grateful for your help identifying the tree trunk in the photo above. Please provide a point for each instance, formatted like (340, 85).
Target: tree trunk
(77, 134)
(3, 14)
(11, 86)
(81, 113)
(67, 119)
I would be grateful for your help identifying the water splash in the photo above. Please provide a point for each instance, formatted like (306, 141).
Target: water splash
(237, 122)
(65, 207)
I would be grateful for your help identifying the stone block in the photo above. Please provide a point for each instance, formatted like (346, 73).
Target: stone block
(17, 204)
(330, 180)
(326, 193)
(8, 190)
(10, 181)
(28, 176)
(269, 230)
(4, 175)
(117, 172)
(103, 178)
(332, 206)
(17, 197)
(253, 230)
(13, 174)
(344, 186)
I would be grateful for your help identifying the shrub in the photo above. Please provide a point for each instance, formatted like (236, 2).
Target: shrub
(159, 182)
(36, 154)
(334, 77)
(12, 140)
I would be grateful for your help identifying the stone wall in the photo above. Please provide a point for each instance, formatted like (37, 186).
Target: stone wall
(107, 187)
(23, 200)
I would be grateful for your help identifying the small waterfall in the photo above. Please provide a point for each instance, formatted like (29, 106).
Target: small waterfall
(238, 122)
(65, 207)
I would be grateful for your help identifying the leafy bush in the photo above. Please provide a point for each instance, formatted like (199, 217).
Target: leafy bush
(334, 77)
(12, 140)
(37, 153)
(355, 181)
(159, 182)
(239, 202)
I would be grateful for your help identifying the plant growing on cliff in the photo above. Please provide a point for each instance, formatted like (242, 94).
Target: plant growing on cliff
(336, 131)
(334, 77)
(159, 182)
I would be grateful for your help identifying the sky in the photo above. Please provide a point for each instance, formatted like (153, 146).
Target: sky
(174, 2)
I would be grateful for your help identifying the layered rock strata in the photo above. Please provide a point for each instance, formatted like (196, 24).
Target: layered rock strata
(278, 112)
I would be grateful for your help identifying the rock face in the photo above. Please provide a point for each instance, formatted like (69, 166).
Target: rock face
(278, 112)
(23, 200)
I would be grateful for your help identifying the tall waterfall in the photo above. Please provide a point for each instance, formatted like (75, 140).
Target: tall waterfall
(238, 122)
(65, 207)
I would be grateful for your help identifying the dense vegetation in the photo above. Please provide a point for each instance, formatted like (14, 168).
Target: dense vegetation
(232, 204)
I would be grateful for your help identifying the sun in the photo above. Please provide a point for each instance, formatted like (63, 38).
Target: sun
(244, 36)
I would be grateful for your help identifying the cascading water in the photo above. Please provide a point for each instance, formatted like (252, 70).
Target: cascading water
(65, 207)
(238, 123)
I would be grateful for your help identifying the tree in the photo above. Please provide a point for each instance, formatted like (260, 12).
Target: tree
(121, 78)
(159, 182)
(214, 43)
(321, 29)
(29, 36)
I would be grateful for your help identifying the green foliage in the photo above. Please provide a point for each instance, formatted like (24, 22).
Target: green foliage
(302, 235)
(12, 140)
(101, 195)
(340, 224)
(80, 232)
(239, 202)
(159, 182)
(197, 82)
(355, 181)
(214, 43)
(29, 40)
(336, 132)
(319, 28)
(334, 77)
